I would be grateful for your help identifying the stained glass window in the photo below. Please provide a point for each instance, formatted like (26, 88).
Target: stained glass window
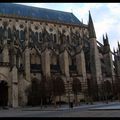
(9, 33)
(22, 36)
(40, 37)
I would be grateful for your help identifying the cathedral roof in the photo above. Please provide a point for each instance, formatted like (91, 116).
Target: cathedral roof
(38, 13)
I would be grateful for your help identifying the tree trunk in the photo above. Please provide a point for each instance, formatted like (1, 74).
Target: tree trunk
(41, 103)
(55, 101)
(60, 101)
(76, 99)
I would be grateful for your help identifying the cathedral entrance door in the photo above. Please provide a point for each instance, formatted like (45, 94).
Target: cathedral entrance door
(3, 93)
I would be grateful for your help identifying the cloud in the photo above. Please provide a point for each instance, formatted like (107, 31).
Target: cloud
(33, 4)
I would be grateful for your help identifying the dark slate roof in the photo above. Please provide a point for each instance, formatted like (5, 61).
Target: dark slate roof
(38, 13)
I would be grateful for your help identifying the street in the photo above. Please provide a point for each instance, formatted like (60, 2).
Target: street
(64, 111)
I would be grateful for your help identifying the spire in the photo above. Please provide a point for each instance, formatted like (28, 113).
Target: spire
(91, 27)
(118, 44)
(103, 37)
(107, 41)
(114, 50)
(117, 51)
(106, 36)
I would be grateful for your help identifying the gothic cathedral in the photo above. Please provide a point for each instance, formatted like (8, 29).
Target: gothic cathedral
(38, 42)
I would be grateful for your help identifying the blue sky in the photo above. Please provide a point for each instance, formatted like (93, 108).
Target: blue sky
(106, 17)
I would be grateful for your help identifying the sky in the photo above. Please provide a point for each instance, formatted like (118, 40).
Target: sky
(106, 17)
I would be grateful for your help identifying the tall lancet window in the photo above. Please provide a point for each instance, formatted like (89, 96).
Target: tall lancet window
(40, 37)
(67, 38)
(0, 56)
(51, 37)
(1, 34)
(17, 59)
(36, 36)
(9, 33)
(17, 33)
(32, 36)
(55, 40)
(21, 35)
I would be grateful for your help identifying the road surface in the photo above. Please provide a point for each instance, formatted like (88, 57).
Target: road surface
(64, 111)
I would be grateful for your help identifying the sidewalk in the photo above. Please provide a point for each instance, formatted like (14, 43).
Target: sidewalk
(95, 105)
(66, 107)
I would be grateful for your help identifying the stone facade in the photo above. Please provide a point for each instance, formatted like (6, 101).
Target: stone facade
(30, 48)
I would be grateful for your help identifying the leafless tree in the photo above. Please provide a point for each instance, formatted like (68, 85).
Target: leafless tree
(32, 93)
(42, 90)
(37, 92)
(58, 88)
(108, 89)
(76, 87)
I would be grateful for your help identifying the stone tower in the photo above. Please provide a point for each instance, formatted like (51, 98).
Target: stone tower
(109, 70)
(94, 58)
(117, 61)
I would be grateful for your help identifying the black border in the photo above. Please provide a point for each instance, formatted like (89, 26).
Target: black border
(61, 1)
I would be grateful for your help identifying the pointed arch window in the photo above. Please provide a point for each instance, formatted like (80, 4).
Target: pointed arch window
(36, 36)
(1, 57)
(9, 33)
(55, 38)
(32, 36)
(1, 32)
(68, 38)
(22, 36)
(51, 37)
(40, 37)
(17, 34)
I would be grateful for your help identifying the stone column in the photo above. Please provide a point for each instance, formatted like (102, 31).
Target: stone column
(23, 86)
(5, 52)
(117, 66)
(64, 63)
(14, 74)
(46, 62)
(81, 68)
(109, 65)
(27, 54)
(27, 64)
(95, 61)
(95, 66)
